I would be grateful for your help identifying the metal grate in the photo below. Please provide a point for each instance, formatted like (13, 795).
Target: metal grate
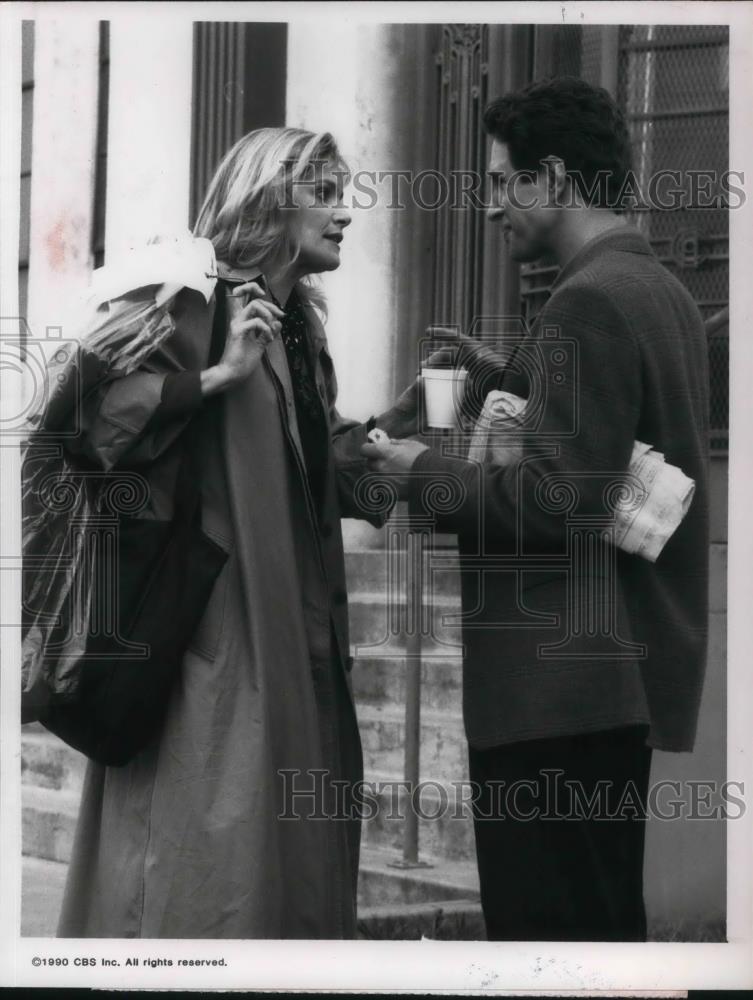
(717, 329)
(672, 83)
(673, 86)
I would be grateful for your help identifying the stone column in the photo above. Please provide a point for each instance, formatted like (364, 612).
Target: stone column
(368, 85)
(149, 141)
(360, 83)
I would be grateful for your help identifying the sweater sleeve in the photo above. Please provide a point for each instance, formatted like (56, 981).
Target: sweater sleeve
(583, 405)
(347, 437)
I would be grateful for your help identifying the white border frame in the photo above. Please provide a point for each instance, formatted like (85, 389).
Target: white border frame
(429, 966)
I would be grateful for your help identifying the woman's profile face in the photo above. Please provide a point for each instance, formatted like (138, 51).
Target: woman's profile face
(318, 219)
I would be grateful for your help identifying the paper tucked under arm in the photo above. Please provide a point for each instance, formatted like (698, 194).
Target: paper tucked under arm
(647, 527)
(501, 417)
(649, 515)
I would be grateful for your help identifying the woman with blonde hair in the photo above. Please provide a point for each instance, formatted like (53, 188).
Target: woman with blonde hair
(227, 825)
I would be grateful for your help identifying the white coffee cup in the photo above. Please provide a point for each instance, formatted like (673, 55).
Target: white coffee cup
(443, 390)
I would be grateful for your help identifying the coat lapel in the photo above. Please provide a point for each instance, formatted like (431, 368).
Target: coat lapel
(275, 359)
(318, 344)
(277, 363)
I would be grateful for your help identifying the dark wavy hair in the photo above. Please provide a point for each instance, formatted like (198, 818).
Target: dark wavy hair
(568, 118)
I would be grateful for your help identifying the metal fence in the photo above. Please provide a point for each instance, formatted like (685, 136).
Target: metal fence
(672, 83)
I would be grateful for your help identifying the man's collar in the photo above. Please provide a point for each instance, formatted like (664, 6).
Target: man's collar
(624, 238)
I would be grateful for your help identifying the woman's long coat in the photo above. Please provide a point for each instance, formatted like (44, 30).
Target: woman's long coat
(187, 841)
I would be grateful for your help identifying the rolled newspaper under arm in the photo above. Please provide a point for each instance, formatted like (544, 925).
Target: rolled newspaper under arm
(643, 524)
(646, 529)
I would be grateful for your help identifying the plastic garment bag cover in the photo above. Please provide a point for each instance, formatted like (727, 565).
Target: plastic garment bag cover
(64, 499)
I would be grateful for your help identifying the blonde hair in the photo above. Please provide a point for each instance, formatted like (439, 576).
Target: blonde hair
(243, 213)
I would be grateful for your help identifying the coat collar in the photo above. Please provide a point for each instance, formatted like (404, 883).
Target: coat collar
(623, 238)
(275, 352)
(237, 274)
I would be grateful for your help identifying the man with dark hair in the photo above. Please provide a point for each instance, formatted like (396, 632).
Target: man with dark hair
(580, 122)
(579, 657)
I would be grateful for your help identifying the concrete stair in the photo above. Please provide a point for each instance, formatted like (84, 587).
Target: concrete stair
(445, 829)
(48, 763)
(407, 899)
(42, 885)
(380, 884)
(380, 681)
(51, 775)
(389, 897)
(443, 752)
(371, 631)
(367, 569)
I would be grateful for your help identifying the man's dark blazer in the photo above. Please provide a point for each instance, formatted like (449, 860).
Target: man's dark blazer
(563, 632)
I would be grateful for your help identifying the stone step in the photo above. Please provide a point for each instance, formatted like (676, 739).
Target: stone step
(47, 762)
(42, 886)
(48, 822)
(382, 681)
(367, 570)
(443, 747)
(447, 920)
(371, 627)
(445, 825)
(381, 885)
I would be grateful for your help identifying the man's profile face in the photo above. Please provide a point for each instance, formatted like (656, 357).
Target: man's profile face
(519, 204)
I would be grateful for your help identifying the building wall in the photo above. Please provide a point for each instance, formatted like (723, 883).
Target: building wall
(367, 320)
(27, 98)
(149, 142)
(685, 871)
(63, 136)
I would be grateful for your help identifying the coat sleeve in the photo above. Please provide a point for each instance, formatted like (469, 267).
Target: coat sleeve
(347, 437)
(585, 397)
(130, 420)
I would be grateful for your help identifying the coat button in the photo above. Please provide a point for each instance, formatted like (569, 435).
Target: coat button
(339, 596)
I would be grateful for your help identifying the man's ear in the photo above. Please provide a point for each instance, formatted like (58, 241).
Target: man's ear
(557, 181)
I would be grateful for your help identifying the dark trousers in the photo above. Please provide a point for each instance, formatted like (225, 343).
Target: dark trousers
(560, 828)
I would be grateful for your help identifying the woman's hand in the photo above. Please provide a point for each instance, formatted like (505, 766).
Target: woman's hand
(252, 327)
